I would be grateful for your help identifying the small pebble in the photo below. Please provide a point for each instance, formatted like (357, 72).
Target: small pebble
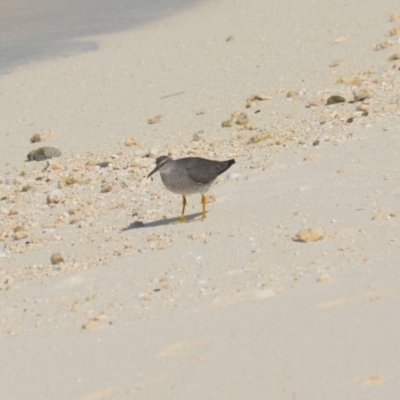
(56, 258)
(335, 99)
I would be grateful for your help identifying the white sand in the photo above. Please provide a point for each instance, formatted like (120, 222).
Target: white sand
(231, 307)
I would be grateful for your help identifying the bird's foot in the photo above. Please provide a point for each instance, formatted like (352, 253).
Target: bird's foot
(182, 219)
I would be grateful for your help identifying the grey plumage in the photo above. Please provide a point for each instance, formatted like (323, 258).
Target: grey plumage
(189, 175)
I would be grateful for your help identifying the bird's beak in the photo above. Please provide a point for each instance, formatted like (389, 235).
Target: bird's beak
(154, 171)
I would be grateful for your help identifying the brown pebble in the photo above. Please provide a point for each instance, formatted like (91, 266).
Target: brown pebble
(56, 258)
(316, 143)
(335, 99)
(103, 164)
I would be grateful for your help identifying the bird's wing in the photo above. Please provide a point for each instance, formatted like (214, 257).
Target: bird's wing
(204, 171)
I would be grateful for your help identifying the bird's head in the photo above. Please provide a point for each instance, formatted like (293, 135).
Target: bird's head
(160, 163)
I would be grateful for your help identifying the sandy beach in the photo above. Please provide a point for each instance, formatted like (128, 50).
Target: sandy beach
(288, 290)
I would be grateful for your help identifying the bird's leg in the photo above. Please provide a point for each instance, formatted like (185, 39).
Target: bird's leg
(204, 202)
(183, 218)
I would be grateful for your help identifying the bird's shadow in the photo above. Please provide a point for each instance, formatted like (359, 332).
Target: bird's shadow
(160, 222)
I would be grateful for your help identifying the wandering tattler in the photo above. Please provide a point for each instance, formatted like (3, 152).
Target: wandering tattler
(189, 175)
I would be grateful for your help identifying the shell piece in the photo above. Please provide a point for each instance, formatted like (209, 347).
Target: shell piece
(228, 123)
(394, 57)
(56, 258)
(292, 94)
(20, 235)
(335, 63)
(55, 196)
(253, 100)
(42, 136)
(242, 119)
(261, 96)
(156, 119)
(260, 138)
(43, 153)
(341, 39)
(309, 235)
(131, 142)
(250, 103)
(361, 94)
(395, 31)
(349, 81)
(383, 45)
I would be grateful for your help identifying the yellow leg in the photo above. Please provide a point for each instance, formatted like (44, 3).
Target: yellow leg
(204, 202)
(183, 218)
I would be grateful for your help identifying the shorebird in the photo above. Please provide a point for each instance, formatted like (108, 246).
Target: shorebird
(189, 175)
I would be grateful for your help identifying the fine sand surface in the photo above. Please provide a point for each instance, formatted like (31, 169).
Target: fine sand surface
(235, 306)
